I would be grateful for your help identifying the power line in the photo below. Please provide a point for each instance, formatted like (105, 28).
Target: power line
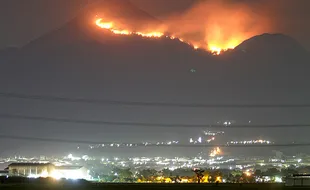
(149, 145)
(145, 104)
(49, 140)
(115, 123)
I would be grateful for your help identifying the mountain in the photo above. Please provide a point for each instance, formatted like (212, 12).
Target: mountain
(273, 57)
(79, 50)
(80, 60)
(271, 44)
(81, 29)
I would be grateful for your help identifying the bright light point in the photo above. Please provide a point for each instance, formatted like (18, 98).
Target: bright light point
(33, 176)
(56, 175)
(278, 179)
(247, 173)
(215, 50)
(105, 25)
(299, 160)
(44, 174)
(216, 151)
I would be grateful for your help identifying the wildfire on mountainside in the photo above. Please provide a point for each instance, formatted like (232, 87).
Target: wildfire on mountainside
(112, 27)
(214, 26)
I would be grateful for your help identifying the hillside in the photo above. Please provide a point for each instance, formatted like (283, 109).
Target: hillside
(81, 29)
(81, 60)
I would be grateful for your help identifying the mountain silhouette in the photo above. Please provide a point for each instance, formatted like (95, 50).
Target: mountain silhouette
(81, 60)
(81, 29)
(271, 43)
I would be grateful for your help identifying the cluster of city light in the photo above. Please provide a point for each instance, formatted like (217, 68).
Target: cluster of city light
(177, 162)
(219, 160)
(158, 163)
(213, 133)
(201, 140)
(117, 145)
(251, 142)
(267, 179)
(160, 143)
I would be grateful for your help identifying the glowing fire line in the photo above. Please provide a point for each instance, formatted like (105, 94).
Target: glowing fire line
(110, 26)
(156, 34)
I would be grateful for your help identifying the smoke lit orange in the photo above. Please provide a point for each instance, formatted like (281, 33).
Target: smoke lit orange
(216, 31)
(215, 26)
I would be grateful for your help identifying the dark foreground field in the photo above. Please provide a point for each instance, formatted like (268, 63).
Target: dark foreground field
(146, 186)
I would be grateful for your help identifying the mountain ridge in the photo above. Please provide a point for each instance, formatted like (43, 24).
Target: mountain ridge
(270, 41)
(75, 58)
(81, 28)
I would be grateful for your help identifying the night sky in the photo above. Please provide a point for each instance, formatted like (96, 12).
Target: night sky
(163, 74)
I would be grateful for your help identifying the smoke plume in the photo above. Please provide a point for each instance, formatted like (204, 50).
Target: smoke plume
(217, 25)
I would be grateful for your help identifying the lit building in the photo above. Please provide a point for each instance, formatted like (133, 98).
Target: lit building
(70, 172)
(31, 169)
(35, 170)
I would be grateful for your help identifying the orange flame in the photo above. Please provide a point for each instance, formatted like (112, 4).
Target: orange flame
(105, 25)
(216, 151)
(154, 34)
(217, 30)
(213, 48)
(215, 26)
(110, 26)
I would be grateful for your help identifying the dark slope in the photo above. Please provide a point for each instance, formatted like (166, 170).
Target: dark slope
(81, 29)
(271, 43)
(273, 60)
(149, 67)
(82, 52)
(80, 60)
